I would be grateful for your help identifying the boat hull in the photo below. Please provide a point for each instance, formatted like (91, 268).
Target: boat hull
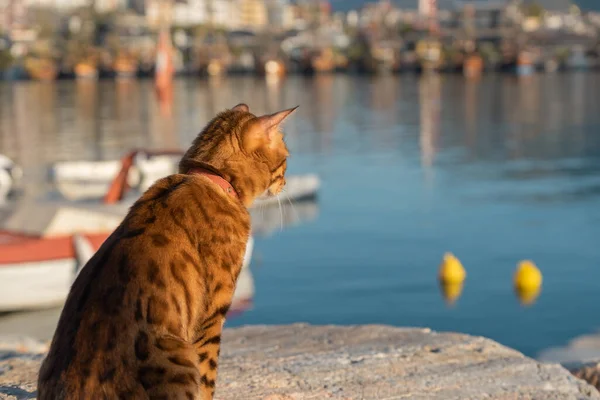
(42, 270)
(36, 285)
(78, 180)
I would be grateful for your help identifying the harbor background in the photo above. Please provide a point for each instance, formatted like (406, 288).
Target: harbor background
(468, 127)
(87, 39)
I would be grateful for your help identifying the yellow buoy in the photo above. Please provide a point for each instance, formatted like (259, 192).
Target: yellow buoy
(527, 282)
(451, 270)
(527, 276)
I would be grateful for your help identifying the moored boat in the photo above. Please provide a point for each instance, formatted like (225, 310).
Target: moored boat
(41, 69)
(44, 246)
(430, 54)
(40, 270)
(473, 66)
(78, 180)
(10, 174)
(525, 63)
(125, 66)
(274, 68)
(86, 70)
(323, 61)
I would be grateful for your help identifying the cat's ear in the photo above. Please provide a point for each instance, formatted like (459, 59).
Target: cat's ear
(270, 123)
(241, 107)
(264, 129)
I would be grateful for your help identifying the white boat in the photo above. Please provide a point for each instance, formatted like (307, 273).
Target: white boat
(38, 271)
(297, 188)
(269, 220)
(79, 180)
(83, 180)
(40, 321)
(10, 174)
(244, 289)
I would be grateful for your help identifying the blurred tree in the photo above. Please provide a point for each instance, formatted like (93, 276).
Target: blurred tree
(533, 9)
(405, 29)
(562, 54)
(6, 59)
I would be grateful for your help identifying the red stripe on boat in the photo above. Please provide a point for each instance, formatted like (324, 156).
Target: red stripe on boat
(17, 248)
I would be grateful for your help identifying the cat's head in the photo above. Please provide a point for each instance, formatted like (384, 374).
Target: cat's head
(247, 150)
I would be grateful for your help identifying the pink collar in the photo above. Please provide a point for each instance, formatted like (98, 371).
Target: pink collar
(226, 186)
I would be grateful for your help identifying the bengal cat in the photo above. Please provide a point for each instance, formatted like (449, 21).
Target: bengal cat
(143, 318)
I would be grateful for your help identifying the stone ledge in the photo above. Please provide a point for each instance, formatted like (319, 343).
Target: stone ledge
(357, 362)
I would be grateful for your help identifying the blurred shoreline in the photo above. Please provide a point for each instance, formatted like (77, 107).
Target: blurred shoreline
(92, 39)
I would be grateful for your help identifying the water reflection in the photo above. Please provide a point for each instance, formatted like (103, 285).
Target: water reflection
(517, 174)
(501, 118)
(527, 296)
(451, 292)
(429, 98)
(542, 121)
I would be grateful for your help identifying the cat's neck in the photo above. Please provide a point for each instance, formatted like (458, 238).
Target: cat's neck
(236, 174)
(215, 178)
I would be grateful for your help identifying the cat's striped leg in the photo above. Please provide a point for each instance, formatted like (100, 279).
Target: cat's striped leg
(167, 368)
(208, 349)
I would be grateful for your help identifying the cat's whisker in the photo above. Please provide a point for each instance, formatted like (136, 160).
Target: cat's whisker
(280, 213)
(261, 210)
(296, 215)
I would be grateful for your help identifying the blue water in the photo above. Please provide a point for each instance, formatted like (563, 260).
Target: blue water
(495, 171)
(512, 183)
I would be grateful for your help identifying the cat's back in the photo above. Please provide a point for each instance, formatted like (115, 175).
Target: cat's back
(122, 297)
(93, 346)
(92, 349)
(87, 356)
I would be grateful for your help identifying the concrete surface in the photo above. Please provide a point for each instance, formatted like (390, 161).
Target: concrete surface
(357, 362)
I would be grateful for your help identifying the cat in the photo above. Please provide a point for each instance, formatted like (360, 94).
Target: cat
(143, 318)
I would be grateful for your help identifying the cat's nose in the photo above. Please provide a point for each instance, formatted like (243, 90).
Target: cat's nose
(274, 190)
(265, 194)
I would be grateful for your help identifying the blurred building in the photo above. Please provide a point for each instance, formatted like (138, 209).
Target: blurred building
(482, 15)
(427, 7)
(61, 5)
(105, 6)
(252, 14)
(13, 15)
(137, 6)
(68, 5)
(280, 14)
(224, 13)
(190, 12)
(14, 23)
